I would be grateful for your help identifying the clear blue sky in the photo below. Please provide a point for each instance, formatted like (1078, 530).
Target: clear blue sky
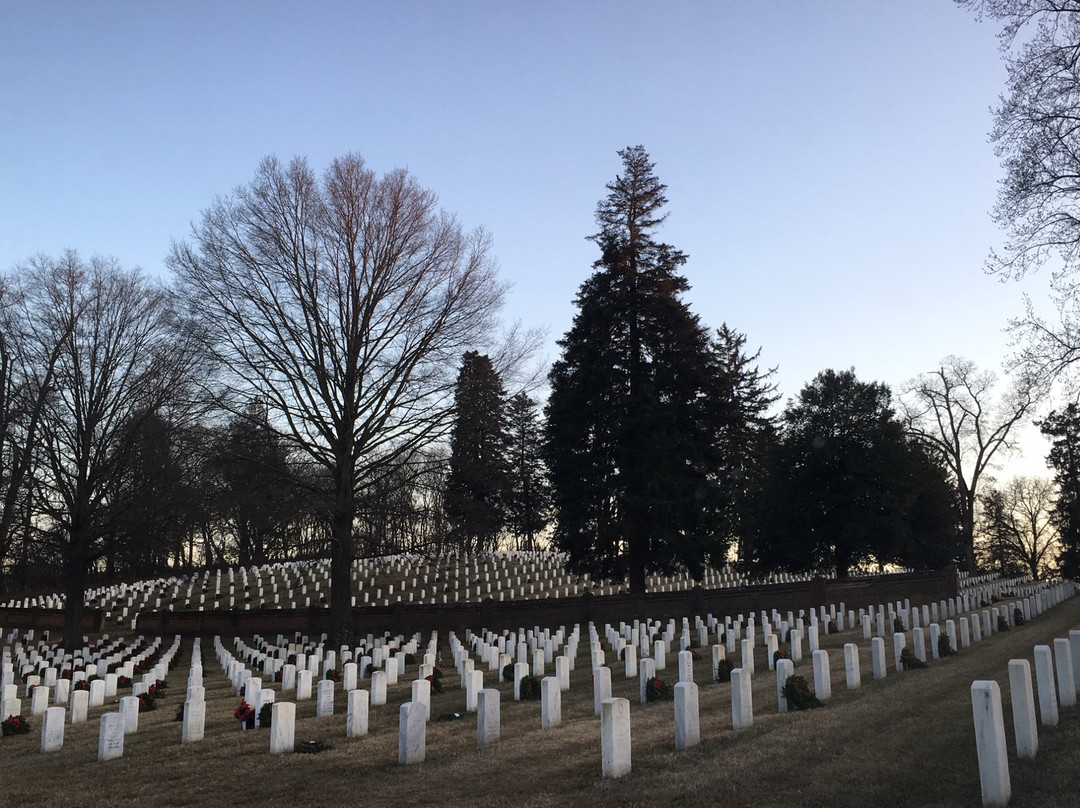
(827, 163)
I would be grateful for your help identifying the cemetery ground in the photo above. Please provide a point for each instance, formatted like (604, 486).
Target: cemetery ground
(905, 740)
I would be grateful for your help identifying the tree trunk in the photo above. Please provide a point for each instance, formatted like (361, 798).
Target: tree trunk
(341, 559)
(75, 576)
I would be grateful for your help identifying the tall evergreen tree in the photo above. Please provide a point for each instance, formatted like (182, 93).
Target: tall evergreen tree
(528, 496)
(633, 413)
(748, 432)
(477, 481)
(1063, 429)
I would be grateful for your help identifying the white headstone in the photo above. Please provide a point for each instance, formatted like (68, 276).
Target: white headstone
(742, 700)
(615, 736)
(822, 675)
(378, 688)
(412, 738)
(129, 711)
(687, 720)
(324, 704)
(851, 665)
(1044, 677)
(1023, 708)
(990, 743)
(52, 729)
(78, 703)
(194, 721)
(550, 702)
(357, 721)
(303, 685)
(601, 688)
(784, 669)
(283, 727)
(877, 653)
(686, 666)
(110, 736)
(39, 700)
(488, 723)
(1063, 667)
(474, 683)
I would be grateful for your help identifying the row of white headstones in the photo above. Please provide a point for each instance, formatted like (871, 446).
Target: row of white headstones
(54, 718)
(1057, 674)
(535, 649)
(412, 579)
(51, 673)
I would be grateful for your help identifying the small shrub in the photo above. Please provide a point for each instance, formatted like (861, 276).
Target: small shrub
(908, 660)
(944, 646)
(898, 625)
(799, 695)
(508, 672)
(1018, 616)
(266, 715)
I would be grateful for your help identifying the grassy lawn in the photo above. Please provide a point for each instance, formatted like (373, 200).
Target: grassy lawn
(906, 740)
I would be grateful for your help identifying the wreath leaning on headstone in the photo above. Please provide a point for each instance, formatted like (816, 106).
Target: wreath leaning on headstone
(798, 694)
(724, 669)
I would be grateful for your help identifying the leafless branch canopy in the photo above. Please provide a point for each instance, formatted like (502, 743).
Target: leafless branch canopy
(344, 303)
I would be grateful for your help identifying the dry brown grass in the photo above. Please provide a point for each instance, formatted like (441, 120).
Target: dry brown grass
(906, 740)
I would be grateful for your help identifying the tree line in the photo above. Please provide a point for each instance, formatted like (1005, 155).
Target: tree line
(326, 376)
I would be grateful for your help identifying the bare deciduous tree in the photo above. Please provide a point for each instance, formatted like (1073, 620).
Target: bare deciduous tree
(1037, 138)
(952, 410)
(120, 361)
(1017, 524)
(343, 303)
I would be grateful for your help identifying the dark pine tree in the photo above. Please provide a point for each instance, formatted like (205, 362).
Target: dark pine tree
(527, 496)
(1063, 429)
(634, 407)
(475, 504)
(747, 395)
